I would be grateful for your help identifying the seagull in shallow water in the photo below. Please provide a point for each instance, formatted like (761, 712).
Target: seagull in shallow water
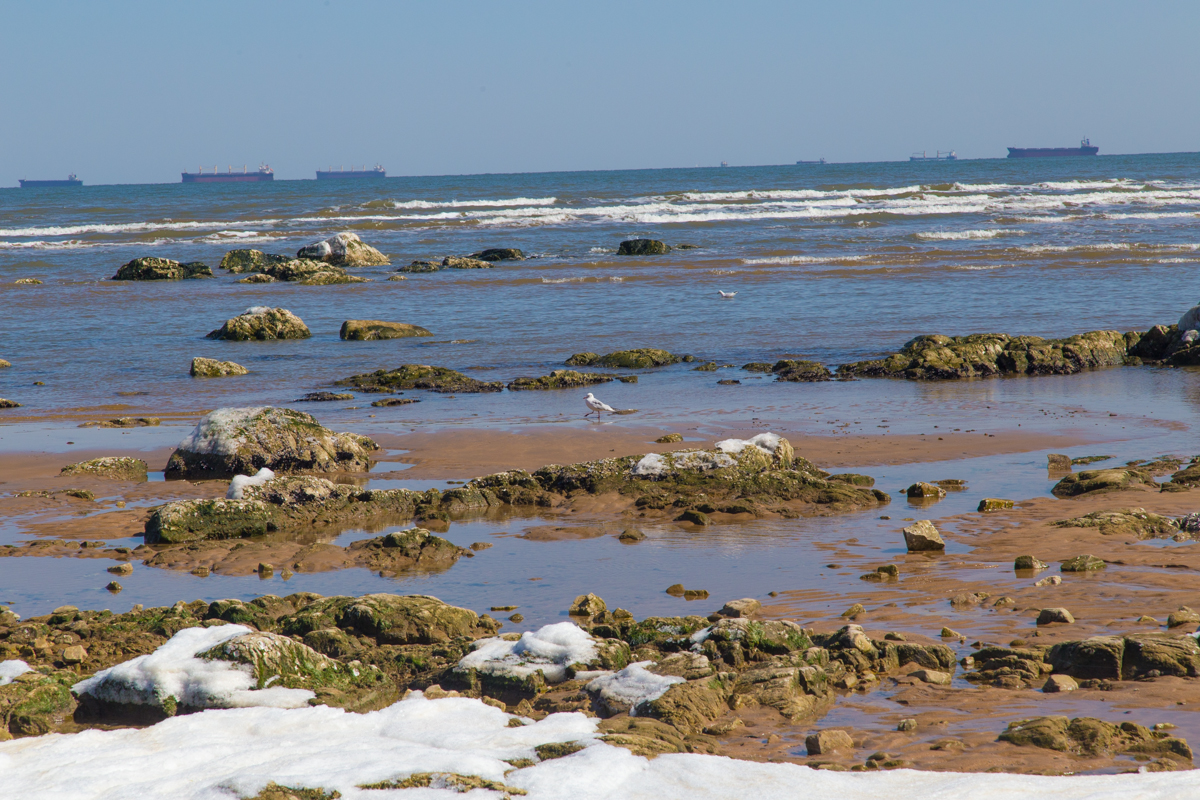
(595, 405)
(726, 295)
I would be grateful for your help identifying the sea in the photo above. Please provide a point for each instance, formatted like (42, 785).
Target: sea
(833, 262)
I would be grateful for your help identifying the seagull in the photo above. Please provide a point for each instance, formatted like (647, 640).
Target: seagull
(595, 405)
(726, 295)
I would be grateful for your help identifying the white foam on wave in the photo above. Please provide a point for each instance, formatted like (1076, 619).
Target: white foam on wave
(584, 279)
(512, 201)
(952, 236)
(129, 227)
(1110, 246)
(800, 259)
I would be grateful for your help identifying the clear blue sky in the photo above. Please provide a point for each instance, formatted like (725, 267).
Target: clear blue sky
(131, 92)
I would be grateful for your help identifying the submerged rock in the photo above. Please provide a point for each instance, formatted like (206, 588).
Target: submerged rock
(211, 368)
(643, 247)
(415, 547)
(257, 277)
(343, 250)
(120, 468)
(642, 358)
(499, 254)
(308, 272)
(231, 441)
(420, 376)
(262, 323)
(801, 371)
(9, 403)
(239, 261)
(160, 269)
(1084, 563)
(1100, 480)
(366, 330)
(323, 397)
(560, 379)
(124, 422)
(457, 262)
(421, 266)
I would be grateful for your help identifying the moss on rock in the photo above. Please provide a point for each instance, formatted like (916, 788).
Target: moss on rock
(211, 368)
(420, 376)
(239, 261)
(150, 268)
(262, 323)
(122, 468)
(560, 379)
(641, 358)
(366, 330)
(1125, 522)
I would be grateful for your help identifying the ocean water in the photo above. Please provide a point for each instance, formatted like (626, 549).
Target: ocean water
(835, 262)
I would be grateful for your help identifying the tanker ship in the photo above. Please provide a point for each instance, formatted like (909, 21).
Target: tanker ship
(264, 173)
(1086, 148)
(332, 174)
(70, 181)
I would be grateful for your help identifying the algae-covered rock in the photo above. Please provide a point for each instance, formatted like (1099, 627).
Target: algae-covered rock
(211, 368)
(400, 620)
(323, 397)
(198, 520)
(1100, 480)
(801, 371)
(1089, 736)
(421, 266)
(415, 547)
(642, 247)
(9, 403)
(257, 277)
(239, 261)
(308, 272)
(691, 706)
(122, 468)
(560, 379)
(420, 376)
(124, 422)
(34, 704)
(499, 254)
(297, 501)
(150, 268)
(366, 330)
(1083, 563)
(642, 358)
(262, 323)
(991, 354)
(458, 262)
(343, 250)
(1125, 522)
(231, 441)
(989, 504)
(923, 489)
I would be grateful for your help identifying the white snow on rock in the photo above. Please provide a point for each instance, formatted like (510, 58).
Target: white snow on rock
(767, 442)
(214, 433)
(10, 670)
(551, 649)
(216, 755)
(238, 485)
(632, 685)
(655, 465)
(1190, 319)
(173, 670)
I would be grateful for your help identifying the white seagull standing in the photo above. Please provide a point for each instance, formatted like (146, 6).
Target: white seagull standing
(726, 295)
(595, 405)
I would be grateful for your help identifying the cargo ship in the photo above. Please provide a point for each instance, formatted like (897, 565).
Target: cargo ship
(1086, 148)
(818, 161)
(338, 174)
(264, 173)
(70, 181)
(949, 155)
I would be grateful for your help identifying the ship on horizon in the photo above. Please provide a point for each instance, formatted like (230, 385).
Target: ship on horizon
(1086, 148)
(332, 174)
(818, 161)
(264, 173)
(70, 181)
(949, 155)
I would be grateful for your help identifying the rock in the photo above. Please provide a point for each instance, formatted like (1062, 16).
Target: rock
(160, 269)
(365, 330)
(231, 441)
(588, 605)
(198, 520)
(262, 323)
(907, 725)
(827, 742)
(560, 379)
(923, 536)
(948, 633)
(397, 278)
(642, 358)
(1059, 683)
(35, 704)
(1126, 522)
(631, 535)
(415, 547)
(419, 376)
(694, 517)
(392, 619)
(9, 403)
(343, 250)
(669, 438)
(394, 401)
(968, 599)
(922, 489)
(642, 247)
(854, 610)
(74, 654)
(499, 254)
(4, 364)
(994, 504)
(30, 281)
(1049, 616)
(420, 266)
(1083, 563)
(124, 422)
(735, 609)
(124, 568)
(1184, 616)
(257, 277)
(323, 397)
(1099, 480)
(1053, 580)
(114, 587)
(210, 368)
(1058, 461)
(306, 272)
(122, 468)
(239, 261)
(801, 371)
(1093, 737)
(1028, 562)
(933, 676)
(853, 479)
(455, 262)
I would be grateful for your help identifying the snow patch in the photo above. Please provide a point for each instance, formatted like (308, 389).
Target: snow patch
(550, 649)
(631, 686)
(767, 442)
(237, 486)
(174, 671)
(653, 465)
(9, 670)
(1190, 320)
(213, 435)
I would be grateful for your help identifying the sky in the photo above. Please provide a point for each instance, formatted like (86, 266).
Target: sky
(136, 92)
